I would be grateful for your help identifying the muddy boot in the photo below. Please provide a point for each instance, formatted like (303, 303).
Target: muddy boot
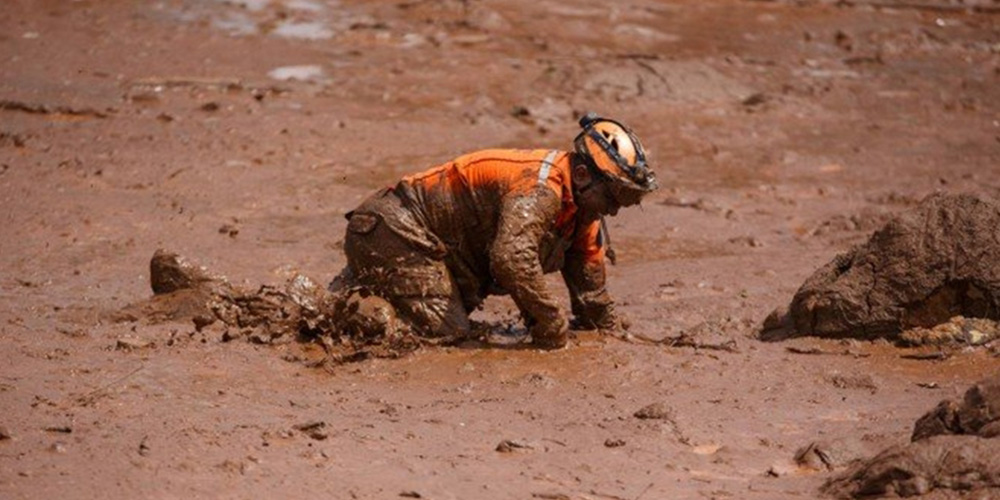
(368, 317)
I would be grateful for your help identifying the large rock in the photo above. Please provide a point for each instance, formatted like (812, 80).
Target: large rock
(922, 268)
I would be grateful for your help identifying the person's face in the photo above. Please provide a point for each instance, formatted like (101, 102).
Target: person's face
(598, 199)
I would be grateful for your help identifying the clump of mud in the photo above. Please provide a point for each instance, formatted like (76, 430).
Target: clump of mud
(953, 447)
(923, 268)
(350, 325)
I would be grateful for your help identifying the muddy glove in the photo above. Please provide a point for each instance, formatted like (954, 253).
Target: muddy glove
(517, 268)
(593, 308)
(550, 336)
(608, 320)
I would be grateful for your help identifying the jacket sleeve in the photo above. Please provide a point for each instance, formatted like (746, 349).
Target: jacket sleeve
(515, 261)
(584, 274)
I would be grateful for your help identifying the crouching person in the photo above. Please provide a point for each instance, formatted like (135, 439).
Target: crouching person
(436, 244)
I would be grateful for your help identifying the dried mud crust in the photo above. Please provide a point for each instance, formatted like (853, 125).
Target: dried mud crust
(954, 447)
(921, 269)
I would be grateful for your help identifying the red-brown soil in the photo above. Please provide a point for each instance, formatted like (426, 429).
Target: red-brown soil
(783, 134)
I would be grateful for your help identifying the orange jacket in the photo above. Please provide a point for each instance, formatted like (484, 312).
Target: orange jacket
(513, 172)
(505, 217)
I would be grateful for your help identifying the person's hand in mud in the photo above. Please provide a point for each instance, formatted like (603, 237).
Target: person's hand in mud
(516, 265)
(611, 321)
(548, 335)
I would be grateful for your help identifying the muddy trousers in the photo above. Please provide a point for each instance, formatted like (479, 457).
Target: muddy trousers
(390, 265)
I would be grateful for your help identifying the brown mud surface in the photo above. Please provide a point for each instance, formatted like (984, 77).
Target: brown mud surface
(237, 133)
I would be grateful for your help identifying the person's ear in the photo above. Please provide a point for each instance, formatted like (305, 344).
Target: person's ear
(581, 176)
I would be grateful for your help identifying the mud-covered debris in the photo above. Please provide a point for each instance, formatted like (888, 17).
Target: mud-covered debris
(921, 269)
(131, 344)
(978, 413)
(746, 241)
(48, 109)
(169, 272)
(551, 496)
(614, 443)
(814, 456)
(958, 330)
(655, 411)
(781, 469)
(960, 463)
(511, 445)
(350, 324)
(953, 447)
(825, 455)
(854, 381)
(315, 430)
(755, 99)
(927, 356)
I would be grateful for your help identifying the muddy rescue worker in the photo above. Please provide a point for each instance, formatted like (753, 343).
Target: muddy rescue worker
(494, 222)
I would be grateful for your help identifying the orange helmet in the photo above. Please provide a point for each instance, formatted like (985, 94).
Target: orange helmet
(615, 153)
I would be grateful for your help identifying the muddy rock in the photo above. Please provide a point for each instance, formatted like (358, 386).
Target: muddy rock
(961, 463)
(824, 455)
(919, 270)
(954, 447)
(655, 411)
(958, 330)
(512, 445)
(978, 413)
(170, 272)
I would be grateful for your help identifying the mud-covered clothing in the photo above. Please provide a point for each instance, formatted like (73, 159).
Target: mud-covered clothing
(489, 222)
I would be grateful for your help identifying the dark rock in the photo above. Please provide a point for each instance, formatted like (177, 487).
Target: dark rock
(315, 430)
(169, 272)
(960, 463)
(510, 446)
(655, 411)
(978, 413)
(614, 443)
(921, 269)
(865, 382)
(131, 344)
(954, 447)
